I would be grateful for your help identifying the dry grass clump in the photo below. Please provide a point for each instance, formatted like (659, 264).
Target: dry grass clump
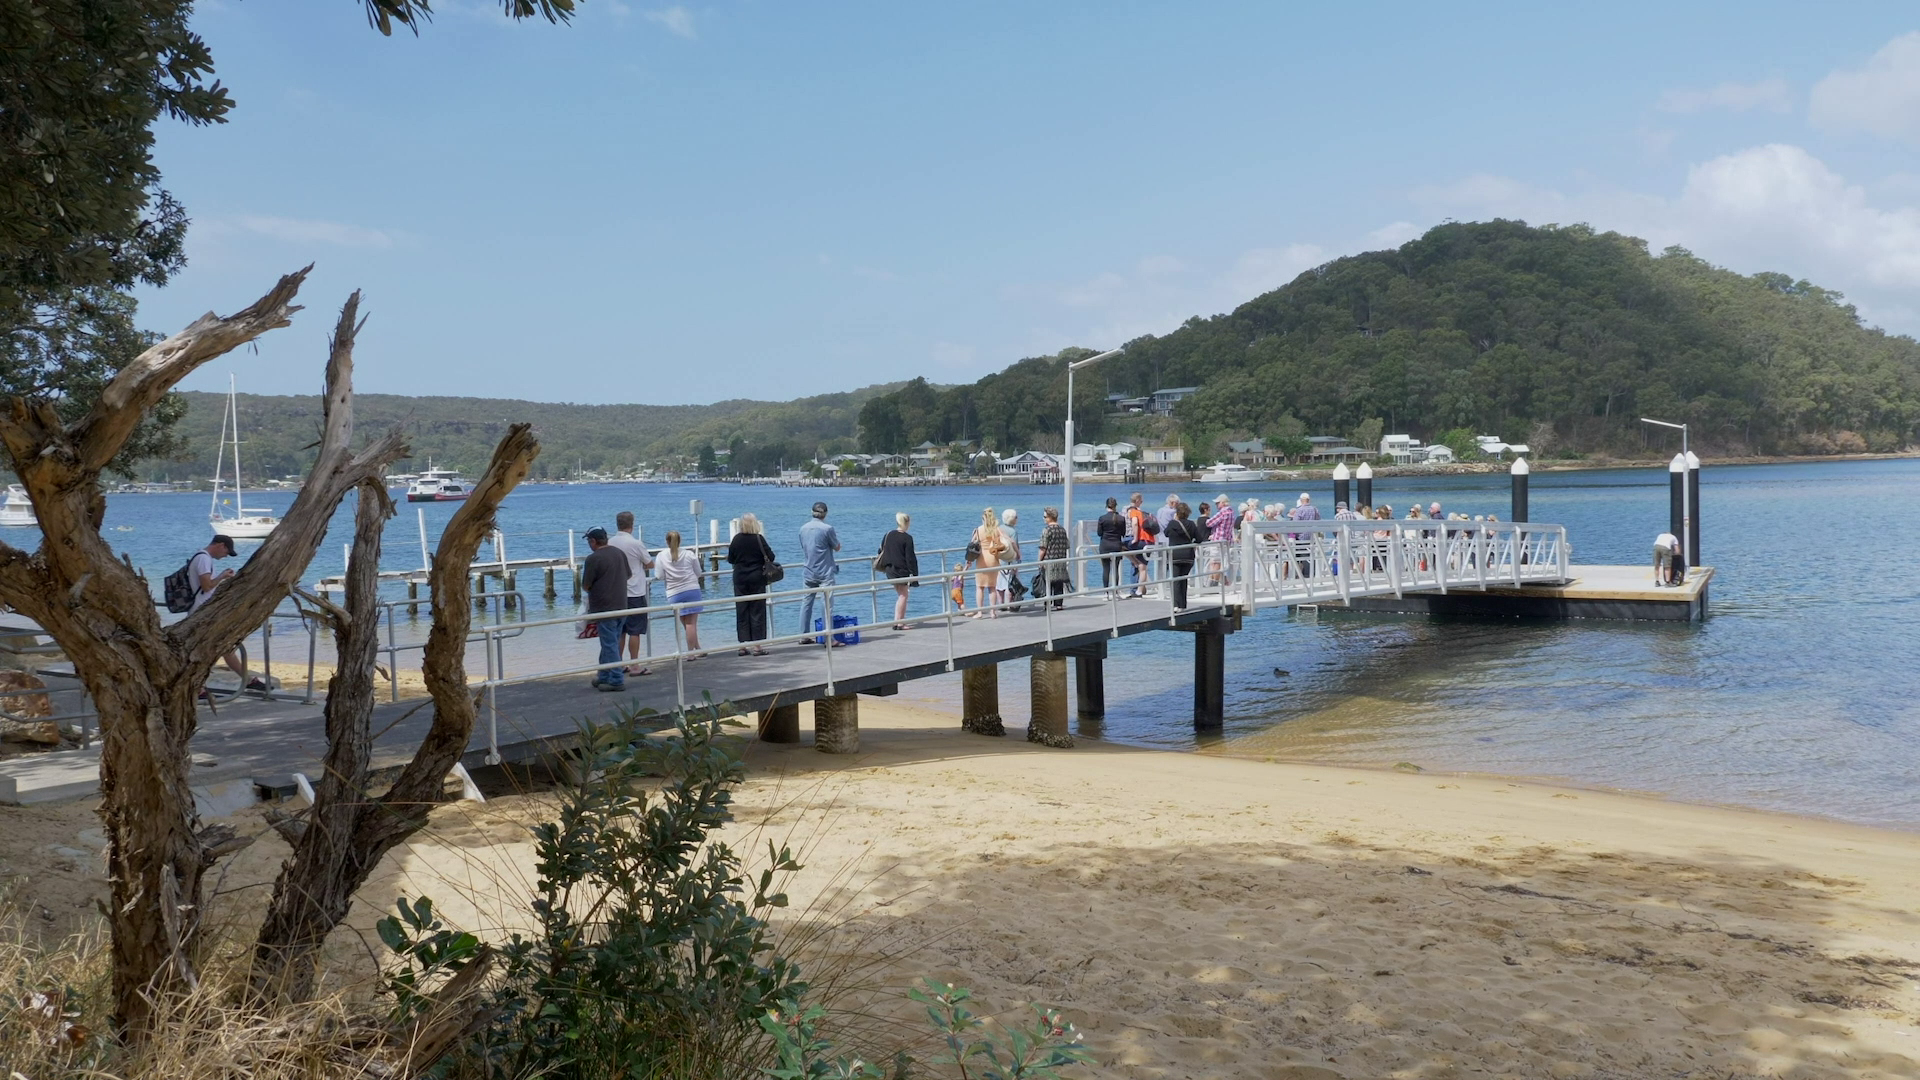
(54, 1025)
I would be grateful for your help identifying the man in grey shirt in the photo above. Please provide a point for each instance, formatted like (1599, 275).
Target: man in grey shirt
(818, 542)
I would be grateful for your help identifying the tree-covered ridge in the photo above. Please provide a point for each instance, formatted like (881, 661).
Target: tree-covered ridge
(277, 433)
(1555, 335)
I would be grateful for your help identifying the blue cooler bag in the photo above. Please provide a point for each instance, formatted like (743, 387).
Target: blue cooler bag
(849, 638)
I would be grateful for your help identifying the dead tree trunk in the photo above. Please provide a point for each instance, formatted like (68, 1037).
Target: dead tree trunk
(144, 678)
(348, 831)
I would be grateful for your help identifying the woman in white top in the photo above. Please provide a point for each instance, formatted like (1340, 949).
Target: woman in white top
(679, 571)
(1010, 536)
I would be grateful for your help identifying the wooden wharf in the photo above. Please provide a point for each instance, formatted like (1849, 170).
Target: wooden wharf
(529, 714)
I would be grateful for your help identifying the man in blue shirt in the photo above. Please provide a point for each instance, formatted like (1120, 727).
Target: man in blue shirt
(818, 542)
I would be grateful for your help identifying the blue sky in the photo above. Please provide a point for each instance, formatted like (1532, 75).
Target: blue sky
(675, 204)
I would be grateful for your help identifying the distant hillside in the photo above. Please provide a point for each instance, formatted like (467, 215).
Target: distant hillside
(1559, 336)
(278, 432)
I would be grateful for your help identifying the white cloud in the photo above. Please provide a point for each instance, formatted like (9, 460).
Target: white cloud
(1771, 94)
(676, 19)
(1882, 98)
(1393, 235)
(1266, 269)
(1773, 207)
(949, 356)
(307, 231)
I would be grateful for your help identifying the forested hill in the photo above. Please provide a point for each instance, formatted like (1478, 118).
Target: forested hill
(1560, 336)
(278, 433)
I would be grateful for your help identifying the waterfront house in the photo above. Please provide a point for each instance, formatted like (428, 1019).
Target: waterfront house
(1402, 449)
(1254, 454)
(1168, 461)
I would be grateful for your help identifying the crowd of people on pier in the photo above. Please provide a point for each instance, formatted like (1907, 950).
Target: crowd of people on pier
(1185, 542)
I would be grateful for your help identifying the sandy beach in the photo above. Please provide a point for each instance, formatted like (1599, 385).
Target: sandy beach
(1201, 916)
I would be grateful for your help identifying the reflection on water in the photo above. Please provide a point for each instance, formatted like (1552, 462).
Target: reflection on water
(1799, 693)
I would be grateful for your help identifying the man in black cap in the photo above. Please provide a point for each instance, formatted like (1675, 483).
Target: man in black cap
(604, 576)
(200, 569)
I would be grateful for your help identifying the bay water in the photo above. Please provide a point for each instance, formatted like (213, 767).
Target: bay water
(1800, 692)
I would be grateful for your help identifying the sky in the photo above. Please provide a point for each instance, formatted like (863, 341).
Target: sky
(682, 204)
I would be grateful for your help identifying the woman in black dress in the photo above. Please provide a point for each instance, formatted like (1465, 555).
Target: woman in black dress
(898, 561)
(1112, 530)
(1183, 535)
(749, 554)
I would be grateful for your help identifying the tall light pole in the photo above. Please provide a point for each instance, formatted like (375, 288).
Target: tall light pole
(1686, 510)
(1066, 497)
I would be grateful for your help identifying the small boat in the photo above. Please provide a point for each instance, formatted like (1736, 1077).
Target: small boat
(234, 517)
(438, 485)
(1228, 473)
(17, 510)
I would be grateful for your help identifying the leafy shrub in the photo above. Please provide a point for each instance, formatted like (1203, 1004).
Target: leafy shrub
(650, 957)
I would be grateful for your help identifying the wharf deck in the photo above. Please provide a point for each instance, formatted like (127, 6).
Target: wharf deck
(1595, 592)
(265, 742)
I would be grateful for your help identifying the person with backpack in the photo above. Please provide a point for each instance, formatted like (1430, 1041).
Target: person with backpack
(199, 576)
(1142, 527)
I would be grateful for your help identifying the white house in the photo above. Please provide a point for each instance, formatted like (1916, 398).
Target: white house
(1101, 457)
(1491, 446)
(1403, 449)
(1439, 454)
(1024, 463)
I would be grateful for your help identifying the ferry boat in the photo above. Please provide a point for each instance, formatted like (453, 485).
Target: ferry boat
(438, 485)
(1228, 473)
(17, 510)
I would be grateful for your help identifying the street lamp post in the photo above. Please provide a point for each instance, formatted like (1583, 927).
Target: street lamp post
(1066, 496)
(1686, 509)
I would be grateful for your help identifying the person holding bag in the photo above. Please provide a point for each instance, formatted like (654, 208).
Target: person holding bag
(1182, 534)
(754, 570)
(900, 563)
(1053, 575)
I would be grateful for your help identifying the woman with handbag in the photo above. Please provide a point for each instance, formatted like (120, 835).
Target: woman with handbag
(986, 580)
(754, 570)
(1184, 536)
(900, 563)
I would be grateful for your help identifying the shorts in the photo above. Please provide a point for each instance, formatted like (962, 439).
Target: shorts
(636, 624)
(687, 597)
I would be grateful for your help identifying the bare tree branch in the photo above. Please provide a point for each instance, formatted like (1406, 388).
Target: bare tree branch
(245, 601)
(98, 437)
(444, 664)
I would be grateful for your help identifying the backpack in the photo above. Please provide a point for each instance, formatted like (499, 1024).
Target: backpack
(1150, 524)
(179, 589)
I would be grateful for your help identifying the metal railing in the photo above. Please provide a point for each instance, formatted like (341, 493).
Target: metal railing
(1300, 562)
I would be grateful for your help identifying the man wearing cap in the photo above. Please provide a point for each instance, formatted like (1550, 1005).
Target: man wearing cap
(604, 576)
(818, 542)
(200, 569)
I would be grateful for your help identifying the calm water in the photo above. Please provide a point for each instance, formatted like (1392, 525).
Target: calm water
(1799, 692)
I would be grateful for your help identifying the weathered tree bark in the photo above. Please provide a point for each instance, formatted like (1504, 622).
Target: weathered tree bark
(348, 831)
(144, 678)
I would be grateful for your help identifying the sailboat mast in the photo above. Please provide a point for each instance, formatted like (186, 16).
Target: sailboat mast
(233, 410)
(219, 462)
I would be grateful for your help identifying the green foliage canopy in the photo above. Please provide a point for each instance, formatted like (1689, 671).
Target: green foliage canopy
(1560, 334)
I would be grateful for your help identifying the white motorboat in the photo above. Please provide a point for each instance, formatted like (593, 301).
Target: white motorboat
(17, 510)
(233, 517)
(1228, 473)
(438, 485)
